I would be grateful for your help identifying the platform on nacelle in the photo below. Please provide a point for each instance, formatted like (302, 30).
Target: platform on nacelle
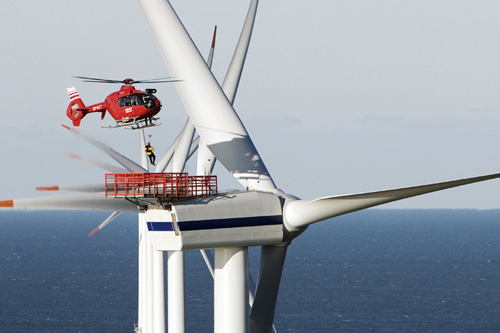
(159, 185)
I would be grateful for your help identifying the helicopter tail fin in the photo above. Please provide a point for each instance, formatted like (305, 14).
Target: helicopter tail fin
(76, 108)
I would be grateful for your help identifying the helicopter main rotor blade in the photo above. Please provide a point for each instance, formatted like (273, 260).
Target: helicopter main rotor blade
(126, 81)
(97, 80)
(157, 81)
(207, 105)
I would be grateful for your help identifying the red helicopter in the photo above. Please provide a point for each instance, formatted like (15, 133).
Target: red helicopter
(131, 108)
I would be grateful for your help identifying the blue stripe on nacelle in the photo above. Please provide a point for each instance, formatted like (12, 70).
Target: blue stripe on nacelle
(160, 226)
(237, 222)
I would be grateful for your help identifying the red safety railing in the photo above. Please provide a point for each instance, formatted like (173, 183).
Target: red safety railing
(162, 185)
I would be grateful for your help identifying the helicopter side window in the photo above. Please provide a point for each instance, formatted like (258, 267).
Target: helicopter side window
(149, 101)
(125, 101)
(137, 99)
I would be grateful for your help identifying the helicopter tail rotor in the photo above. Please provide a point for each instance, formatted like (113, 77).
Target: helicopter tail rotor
(76, 108)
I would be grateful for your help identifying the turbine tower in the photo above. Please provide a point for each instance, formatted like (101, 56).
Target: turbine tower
(174, 219)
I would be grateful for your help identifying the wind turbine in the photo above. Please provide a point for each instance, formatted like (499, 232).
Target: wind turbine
(259, 215)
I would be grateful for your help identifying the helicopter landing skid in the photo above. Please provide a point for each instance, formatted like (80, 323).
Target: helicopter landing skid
(134, 123)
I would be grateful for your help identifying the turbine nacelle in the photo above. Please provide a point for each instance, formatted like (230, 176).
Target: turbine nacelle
(227, 220)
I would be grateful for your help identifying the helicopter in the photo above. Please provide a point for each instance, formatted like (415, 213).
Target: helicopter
(131, 108)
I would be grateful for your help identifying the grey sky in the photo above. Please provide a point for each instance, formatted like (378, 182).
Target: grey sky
(338, 96)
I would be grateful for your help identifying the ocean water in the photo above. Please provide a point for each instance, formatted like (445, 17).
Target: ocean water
(372, 271)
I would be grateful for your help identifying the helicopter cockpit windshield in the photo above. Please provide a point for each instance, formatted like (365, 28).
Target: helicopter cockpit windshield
(137, 99)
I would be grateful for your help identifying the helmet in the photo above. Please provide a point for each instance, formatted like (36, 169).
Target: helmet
(147, 144)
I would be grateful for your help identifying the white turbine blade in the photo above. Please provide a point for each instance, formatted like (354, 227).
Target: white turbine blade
(124, 161)
(194, 147)
(233, 75)
(209, 260)
(182, 154)
(183, 147)
(90, 188)
(192, 150)
(161, 165)
(142, 151)
(206, 160)
(210, 58)
(272, 261)
(166, 162)
(84, 201)
(208, 107)
(301, 213)
(105, 223)
(105, 166)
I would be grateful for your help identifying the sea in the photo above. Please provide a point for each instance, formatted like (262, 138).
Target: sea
(379, 270)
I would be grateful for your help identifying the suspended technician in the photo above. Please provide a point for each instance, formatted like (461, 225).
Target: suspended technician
(150, 152)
